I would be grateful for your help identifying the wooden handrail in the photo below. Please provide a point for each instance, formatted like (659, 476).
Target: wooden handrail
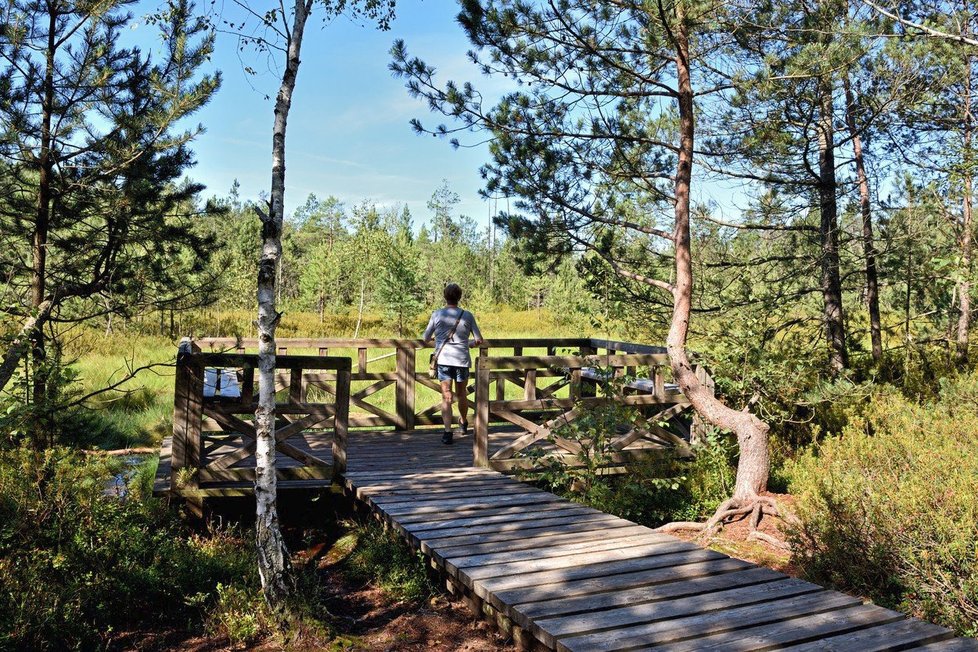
(575, 362)
(231, 343)
(250, 361)
(191, 452)
(626, 347)
(528, 372)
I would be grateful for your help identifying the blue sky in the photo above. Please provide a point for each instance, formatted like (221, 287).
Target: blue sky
(348, 133)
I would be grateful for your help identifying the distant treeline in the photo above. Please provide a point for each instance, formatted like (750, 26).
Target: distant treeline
(338, 258)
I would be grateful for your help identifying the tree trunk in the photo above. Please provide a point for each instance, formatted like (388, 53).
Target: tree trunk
(273, 558)
(869, 245)
(754, 465)
(908, 270)
(42, 221)
(363, 290)
(964, 283)
(829, 234)
(21, 343)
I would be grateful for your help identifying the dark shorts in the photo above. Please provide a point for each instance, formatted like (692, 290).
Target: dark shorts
(458, 374)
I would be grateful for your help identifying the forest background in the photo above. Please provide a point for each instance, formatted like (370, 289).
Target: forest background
(837, 305)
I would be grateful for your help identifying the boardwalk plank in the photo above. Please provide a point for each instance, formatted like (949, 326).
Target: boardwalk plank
(548, 542)
(807, 628)
(474, 556)
(640, 588)
(548, 598)
(461, 517)
(660, 559)
(435, 487)
(699, 625)
(489, 502)
(550, 629)
(534, 534)
(949, 645)
(570, 522)
(509, 518)
(901, 635)
(469, 575)
(387, 500)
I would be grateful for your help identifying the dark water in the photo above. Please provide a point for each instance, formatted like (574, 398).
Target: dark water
(118, 486)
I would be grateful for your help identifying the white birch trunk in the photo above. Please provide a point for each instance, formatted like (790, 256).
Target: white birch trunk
(273, 557)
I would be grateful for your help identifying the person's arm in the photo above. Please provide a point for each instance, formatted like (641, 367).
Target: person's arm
(475, 333)
(429, 332)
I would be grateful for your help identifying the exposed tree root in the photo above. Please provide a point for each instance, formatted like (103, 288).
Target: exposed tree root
(736, 509)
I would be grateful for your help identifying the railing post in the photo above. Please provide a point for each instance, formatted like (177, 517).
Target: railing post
(181, 410)
(588, 387)
(480, 439)
(341, 421)
(296, 393)
(187, 414)
(699, 430)
(404, 391)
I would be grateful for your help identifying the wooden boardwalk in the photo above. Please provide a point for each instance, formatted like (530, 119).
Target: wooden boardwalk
(558, 575)
(574, 578)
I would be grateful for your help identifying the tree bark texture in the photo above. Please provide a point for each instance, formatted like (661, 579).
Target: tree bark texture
(964, 282)
(42, 218)
(752, 433)
(273, 558)
(832, 314)
(22, 342)
(869, 244)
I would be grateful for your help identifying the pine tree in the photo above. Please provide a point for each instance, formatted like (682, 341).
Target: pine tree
(606, 124)
(92, 157)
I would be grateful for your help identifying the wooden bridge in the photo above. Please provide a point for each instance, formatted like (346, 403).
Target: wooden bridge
(552, 573)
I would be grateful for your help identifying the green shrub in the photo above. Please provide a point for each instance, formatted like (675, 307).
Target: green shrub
(381, 556)
(656, 491)
(890, 507)
(238, 615)
(76, 565)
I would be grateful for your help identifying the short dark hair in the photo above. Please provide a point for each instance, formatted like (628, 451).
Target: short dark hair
(453, 293)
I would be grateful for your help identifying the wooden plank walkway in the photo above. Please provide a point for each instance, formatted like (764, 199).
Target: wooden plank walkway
(572, 578)
(576, 579)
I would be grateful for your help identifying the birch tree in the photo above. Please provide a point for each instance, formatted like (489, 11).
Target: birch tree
(280, 30)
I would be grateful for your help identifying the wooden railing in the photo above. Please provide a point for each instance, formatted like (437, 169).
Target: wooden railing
(215, 399)
(381, 364)
(528, 385)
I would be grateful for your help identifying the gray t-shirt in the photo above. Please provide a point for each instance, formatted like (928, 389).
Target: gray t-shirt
(456, 351)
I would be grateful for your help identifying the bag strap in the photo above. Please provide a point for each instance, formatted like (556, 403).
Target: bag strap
(451, 334)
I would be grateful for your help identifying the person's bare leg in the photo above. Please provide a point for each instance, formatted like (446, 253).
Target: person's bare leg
(462, 391)
(446, 404)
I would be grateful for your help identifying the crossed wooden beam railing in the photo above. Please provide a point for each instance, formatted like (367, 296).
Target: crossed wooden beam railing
(338, 384)
(214, 435)
(547, 420)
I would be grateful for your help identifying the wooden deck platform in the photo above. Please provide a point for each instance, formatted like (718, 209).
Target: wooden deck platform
(572, 578)
(560, 575)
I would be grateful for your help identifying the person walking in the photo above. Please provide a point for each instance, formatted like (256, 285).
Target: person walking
(451, 327)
